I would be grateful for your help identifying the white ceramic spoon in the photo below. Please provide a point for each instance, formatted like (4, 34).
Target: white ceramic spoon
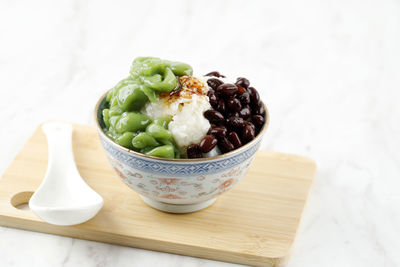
(63, 198)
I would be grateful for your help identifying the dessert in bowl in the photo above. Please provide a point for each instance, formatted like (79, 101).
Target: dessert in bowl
(176, 139)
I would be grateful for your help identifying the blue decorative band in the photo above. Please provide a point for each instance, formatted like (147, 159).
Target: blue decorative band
(177, 168)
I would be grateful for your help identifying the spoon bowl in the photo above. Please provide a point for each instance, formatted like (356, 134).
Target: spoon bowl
(63, 198)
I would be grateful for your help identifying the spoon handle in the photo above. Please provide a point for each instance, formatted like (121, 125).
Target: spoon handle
(59, 139)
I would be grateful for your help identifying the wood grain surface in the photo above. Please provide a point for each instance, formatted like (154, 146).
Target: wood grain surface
(255, 223)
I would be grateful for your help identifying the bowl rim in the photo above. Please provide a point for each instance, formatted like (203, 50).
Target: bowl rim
(225, 155)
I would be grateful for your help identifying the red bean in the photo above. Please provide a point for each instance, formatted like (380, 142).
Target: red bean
(214, 116)
(221, 106)
(214, 83)
(254, 96)
(250, 124)
(233, 137)
(225, 145)
(232, 114)
(259, 108)
(241, 90)
(243, 82)
(245, 98)
(245, 112)
(208, 143)
(193, 151)
(248, 133)
(257, 120)
(227, 89)
(212, 96)
(242, 107)
(215, 74)
(233, 104)
(218, 131)
(235, 122)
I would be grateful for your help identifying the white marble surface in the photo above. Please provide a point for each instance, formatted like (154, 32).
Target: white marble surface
(328, 71)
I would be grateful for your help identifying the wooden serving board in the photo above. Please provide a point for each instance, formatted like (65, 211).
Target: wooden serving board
(255, 223)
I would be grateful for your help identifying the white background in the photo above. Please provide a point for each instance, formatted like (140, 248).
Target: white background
(329, 72)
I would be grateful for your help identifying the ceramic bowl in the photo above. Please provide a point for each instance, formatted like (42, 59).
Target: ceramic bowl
(177, 185)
